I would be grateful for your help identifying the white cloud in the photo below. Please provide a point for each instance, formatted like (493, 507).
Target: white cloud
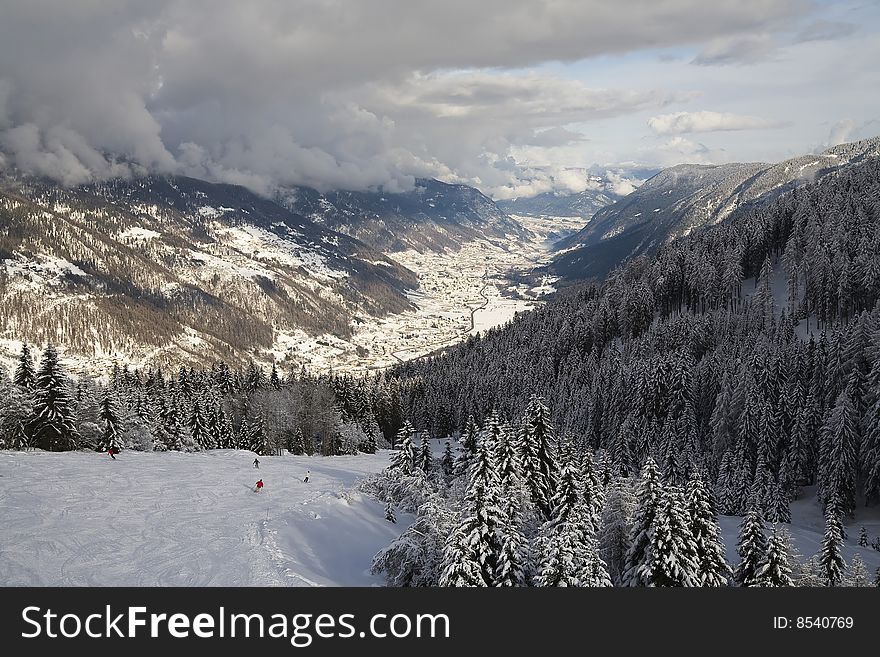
(679, 123)
(739, 49)
(329, 93)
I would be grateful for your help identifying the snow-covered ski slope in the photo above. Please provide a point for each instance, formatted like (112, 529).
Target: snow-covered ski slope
(177, 519)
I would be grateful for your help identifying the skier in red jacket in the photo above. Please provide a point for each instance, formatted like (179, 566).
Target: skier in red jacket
(259, 486)
(110, 452)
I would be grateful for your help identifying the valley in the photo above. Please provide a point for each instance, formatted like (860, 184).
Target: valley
(460, 293)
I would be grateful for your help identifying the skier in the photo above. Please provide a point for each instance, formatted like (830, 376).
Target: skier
(257, 463)
(110, 452)
(259, 486)
(306, 480)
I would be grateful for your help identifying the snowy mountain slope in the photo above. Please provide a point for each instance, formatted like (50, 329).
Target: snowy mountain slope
(432, 217)
(179, 519)
(551, 204)
(686, 197)
(175, 270)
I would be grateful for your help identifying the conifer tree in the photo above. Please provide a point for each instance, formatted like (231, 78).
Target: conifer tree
(169, 426)
(648, 503)
(592, 491)
(831, 557)
(778, 509)
(448, 462)
(52, 426)
(538, 452)
(297, 444)
(425, 457)
(470, 436)
(472, 553)
(403, 459)
(512, 568)
(775, 570)
(389, 513)
(840, 467)
(712, 568)
(24, 371)
(751, 548)
(258, 440)
(724, 491)
(857, 573)
(111, 435)
(863, 537)
(198, 427)
(672, 554)
(869, 452)
(616, 527)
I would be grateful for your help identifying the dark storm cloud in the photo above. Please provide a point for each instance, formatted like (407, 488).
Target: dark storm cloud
(342, 93)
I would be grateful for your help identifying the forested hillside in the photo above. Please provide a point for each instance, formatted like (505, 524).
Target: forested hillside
(673, 393)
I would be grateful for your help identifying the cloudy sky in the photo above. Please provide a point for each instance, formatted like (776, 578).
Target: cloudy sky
(513, 96)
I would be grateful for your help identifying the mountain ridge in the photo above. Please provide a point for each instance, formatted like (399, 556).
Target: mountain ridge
(687, 197)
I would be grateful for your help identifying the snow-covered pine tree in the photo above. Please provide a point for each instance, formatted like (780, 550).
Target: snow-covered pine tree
(425, 457)
(570, 558)
(389, 513)
(295, 444)
(111, 433)
(448, 462)
(648, 496)
(869, 452)
(620, 457)
(724, 492)
(777, 503)
(415, 558)
(473, 549)
(15, 412)
(224, 426)
(762, 482)
(513, 558)
(470, 436)
(775, 570)
(460, 567)
(712, 568)
(538, 451)
(592, 491)
(24, 371)
(469, 439)
(258, 440)
(840, 469)
(566, 548)
(863, 536)
(831, 558)
(198, 428)
(212, 424)
(751, 548)
(169, 426)
(52, 426)
(672, 556)
(403, 460)
(722, 423)
(616, 526)
(857, 573)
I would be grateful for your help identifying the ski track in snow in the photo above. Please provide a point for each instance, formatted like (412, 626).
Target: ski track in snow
(175, 519)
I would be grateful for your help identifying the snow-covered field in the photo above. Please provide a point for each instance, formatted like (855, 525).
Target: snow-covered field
(177, 519)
